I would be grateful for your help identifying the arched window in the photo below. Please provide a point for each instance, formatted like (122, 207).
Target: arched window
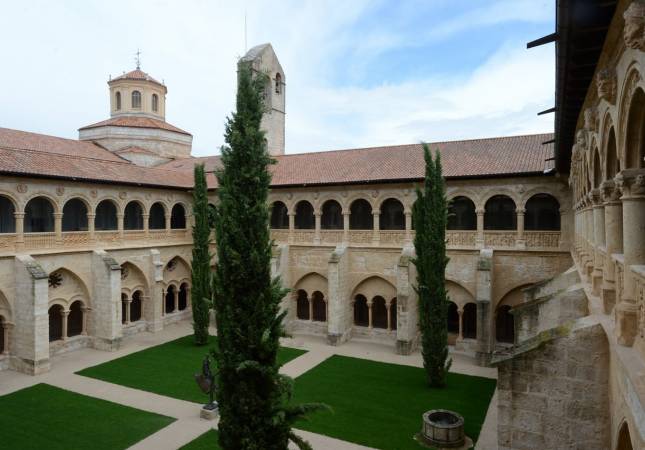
(624, 438)
(155, 102)
(136, 99)
(453, 318)
(124, 308)
(319, 307)
(118, 100)
(469, 321)
(278, 83)
(461, 214)
(302, 305)
(361, 217)
(612, 163)
(183, 296)
(75, 215)
(39, 216)
(157, 219)
(597, 169)
(393, 314)
(392, 217)
(105, 216)
(542, 213)
(361, 311)
(379, 312)
(170, 299)
(55, 323)
(75, 319)
(7, 218)
(635, 137)
(279, 216)
(332, 217)
(500, 213)
(305, 216)
(133, 218)
(136, 307)
(178, 217)
(504, 325)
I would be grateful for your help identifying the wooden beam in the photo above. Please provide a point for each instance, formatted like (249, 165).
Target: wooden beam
(543, 40)
(547, 111)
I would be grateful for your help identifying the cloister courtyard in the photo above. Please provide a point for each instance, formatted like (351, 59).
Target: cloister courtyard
(146, 391)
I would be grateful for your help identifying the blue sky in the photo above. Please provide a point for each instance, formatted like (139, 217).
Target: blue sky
(359, 73)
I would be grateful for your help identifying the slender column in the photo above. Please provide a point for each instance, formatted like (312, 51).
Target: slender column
(20, 227)
(598, 213)
(479, 242)
(519, 240)
(58, 227)
(163, 302)
(317, 216)
(613, 240)
(7, 344)
(632, 184)
(369, 314)
(176, 300)
(189, 302)
(346, 216)
(64, 314)
(128, 303)
(167, 218)
(146, 224)
(292, 226)
(90, 226)
(310, 302)
(461, 324)
(389, 316)
(85, 310)
(119, 221)
(376, 237)
(408, 226)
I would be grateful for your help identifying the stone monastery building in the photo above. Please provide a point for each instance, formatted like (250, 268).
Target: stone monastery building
(546, 238)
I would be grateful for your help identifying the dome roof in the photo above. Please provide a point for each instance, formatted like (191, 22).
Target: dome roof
(136, 74)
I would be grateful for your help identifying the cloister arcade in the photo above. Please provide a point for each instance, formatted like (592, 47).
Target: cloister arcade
(176, 294)
(68, 305)
(374, 304)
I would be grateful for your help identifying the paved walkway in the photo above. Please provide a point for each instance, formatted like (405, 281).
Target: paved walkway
(188, 425)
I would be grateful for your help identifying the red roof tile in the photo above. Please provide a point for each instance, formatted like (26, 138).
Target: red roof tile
(136, 74)
(136, 122)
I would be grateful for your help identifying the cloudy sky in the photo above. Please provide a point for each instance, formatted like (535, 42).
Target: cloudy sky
(359, 73)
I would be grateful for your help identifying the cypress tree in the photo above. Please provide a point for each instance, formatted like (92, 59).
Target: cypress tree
(252, 396)
(430, 217)
(201, 271)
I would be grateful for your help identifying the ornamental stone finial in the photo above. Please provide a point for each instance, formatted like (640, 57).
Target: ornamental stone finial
(606, 84)
(634, 31)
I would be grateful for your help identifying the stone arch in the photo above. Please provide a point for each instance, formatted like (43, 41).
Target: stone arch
(136, 306)
(504, 319)
(279, 216)
(361, 311)
(311, 282)
(500, 213)
(628, 90)
(66, 287)
(332, 215)
(176, 270)
(612, 163)
(374, 285)
(302, 304)
(624, 440)
(542, 212)
(319, 307)
(75, 319)
(392, 215)
(54, 202)
(55, 313)
(157, 216)
(5, 307)
(8, 207)
(469, 320)
(184, 296)
(133, 278)
(596, 168)
(39, 214)
(361, 217)
(304, 215)
(115, 201)
(379, 312)
(453, 319)
(106, 213)
(462, 213)
(178, 216)
(634, 143)
(75, 212)
(458, 294)
(133, 215)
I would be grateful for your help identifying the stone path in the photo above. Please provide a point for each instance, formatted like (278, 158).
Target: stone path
(188, 425)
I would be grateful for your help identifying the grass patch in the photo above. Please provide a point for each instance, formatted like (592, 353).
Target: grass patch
(380, 405)
(207, 441)
(166, 369)
(47, 417)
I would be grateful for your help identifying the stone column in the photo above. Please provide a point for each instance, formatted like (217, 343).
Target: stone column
(317, 216)
(176, 300)
(86, 310)
(64, 313)
(146, 225)
(461, 324)
(479, 241)
(632, 184)
(389, 315)
(20, 229)
(408, 226)
(589, 234)
(376, 237)
(613, 241)
(90, 226)
(6, 326)
(485, 338)
(598, 212)
(339, 318)
(128, 302)
(407, 317)
(292, 226)
(167, 216)
(155, 307)
(519, 240)
(58, 227)
(346, 216)
(119, 221)
(106, 326)
(310, 304)
(369, 314)
(163, 302)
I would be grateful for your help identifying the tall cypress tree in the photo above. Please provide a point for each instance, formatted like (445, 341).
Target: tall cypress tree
(201, 271)
(252, 396)
(430, 217)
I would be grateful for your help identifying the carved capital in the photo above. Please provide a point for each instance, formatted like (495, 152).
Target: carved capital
(610, 191)
(634, 31)
(631, 182)
(595, 197)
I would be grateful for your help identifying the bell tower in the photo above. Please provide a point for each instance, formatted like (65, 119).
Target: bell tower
(263, 59)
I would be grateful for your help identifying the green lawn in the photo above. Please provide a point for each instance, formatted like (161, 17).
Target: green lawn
(207, 441)
(380, 405)
(47, 417)
(166, 369)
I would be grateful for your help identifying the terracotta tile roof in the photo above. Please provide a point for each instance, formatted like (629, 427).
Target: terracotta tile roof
(23, 153)
(38, 155)
(513, 155)
(135, 149)
(136, 122)
(136, 74)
